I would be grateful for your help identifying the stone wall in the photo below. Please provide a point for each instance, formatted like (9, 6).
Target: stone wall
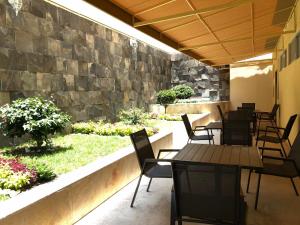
(90, 71)
(208, 82)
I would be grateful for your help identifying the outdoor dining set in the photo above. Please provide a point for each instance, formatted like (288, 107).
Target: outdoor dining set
(207, 177)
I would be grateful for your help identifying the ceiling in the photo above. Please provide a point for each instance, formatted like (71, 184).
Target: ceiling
(218, 32)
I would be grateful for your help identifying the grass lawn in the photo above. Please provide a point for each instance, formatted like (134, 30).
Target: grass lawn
(72, 151)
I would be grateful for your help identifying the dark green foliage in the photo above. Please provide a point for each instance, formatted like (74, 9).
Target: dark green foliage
(34, 116)
(165, 97)
(132, 116)
(183, 91)
(44, 172)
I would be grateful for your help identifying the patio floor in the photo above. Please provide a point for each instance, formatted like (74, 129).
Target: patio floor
(278, 204)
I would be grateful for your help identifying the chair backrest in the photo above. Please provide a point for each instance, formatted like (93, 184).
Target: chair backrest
(207, 191)
(295, 151)
(187, 125)
(220, 112)
(248, 105)
(237, 132)
(242, 114)
(274, 110)
(142, 146)
(289, 127)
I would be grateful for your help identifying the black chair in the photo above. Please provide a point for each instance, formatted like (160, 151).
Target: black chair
(222, 120)
(206, 193)
(250, 109)
(237, 130)
(191, 133)
(148, 164)
(289, 167)
(278, 139)
(268, 116)
(248, 105)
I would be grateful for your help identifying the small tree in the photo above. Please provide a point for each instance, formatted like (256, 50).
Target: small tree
(34, 116)
(183, 91)
(166, 97)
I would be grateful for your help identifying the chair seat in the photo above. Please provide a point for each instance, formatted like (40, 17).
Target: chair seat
(286, 169)
(159, 171)
(269, 139)
(201, 137)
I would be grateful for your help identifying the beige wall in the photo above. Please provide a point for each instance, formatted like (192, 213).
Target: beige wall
(252, 83)
(289, 77)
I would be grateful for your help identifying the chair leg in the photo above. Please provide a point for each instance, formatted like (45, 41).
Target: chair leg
(136, 189)
(257, 190)
(173, 210)
(249, 177)
(213, 141)
(149, 184)
(282, 148)
(294, 186)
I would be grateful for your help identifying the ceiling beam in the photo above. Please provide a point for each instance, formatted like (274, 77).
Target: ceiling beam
(192, 13)
(234, 56)
(205, 24)
(154, 7)
(232, 40)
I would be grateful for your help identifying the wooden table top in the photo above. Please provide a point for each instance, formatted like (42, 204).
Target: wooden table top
(214, 125)
(243, 156)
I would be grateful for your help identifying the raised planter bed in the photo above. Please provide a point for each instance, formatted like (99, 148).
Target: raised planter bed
(71, 196)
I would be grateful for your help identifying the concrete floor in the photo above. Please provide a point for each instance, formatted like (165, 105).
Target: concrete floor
(278, 204)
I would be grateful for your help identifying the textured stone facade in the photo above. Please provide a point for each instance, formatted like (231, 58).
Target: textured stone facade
(208, 82)
(90, 71)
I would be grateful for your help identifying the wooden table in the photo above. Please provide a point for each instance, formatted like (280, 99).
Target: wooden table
(214, 126)
(245, 157)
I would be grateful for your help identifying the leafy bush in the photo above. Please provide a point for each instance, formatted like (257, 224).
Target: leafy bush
(183, 91)
(15, 175)
(109, 129)
(132, 116)
(44, 172)
(165, 97)
(34, 116)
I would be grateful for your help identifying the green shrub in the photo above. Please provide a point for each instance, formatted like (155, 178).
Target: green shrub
(44, 172)
(109, 129)
(132, 116)
(34, 116)
(183, 91)
(166, 97)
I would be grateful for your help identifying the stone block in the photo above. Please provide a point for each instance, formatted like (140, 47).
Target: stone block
(44, 82)
(107, 84)
(95, 97)
(90, 40)
(10, 81)
(7, 37)
(81, 83)
(94, 83)
(83, 68)
(80, 52)
(4, 98)
(69, 82)
(71, 67)
(28, 81)
(54, 47)
(108, 34)
(96, 69)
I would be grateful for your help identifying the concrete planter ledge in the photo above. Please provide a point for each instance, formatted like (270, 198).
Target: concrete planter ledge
(71, 196)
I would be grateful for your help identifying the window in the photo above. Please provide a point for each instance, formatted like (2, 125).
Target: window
(283, 60)
(293, 49)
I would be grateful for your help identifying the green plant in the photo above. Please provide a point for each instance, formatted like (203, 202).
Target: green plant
(183, 91)
(34, 116)
(166, 97)
(169, 117)
(13, 180)
(132, 116)
(44, 172)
